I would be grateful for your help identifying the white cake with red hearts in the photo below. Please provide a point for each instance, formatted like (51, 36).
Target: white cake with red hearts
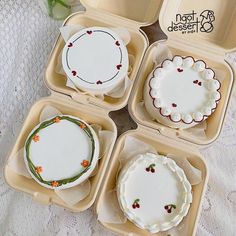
(95, 60)
(153, 192)
(182, 92)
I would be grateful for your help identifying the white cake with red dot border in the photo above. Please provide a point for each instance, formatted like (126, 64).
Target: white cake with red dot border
(182, 92)
(153, 192)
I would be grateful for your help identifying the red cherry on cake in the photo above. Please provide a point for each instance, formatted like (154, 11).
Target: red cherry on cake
(136, 204)
(89, 32)
(200, 83)
(195, 81)
(151, 168)
(180, 70)
(169, 208)
(174, 105)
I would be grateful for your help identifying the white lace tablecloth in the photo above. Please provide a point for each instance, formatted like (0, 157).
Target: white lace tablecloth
(26, 39)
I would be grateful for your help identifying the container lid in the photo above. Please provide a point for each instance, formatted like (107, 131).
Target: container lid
(95, 59)
(141, 12)
(61, 152)
(204, 22)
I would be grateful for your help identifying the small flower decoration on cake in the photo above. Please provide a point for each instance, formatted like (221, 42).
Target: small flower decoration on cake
(36, 138)
(85, 163)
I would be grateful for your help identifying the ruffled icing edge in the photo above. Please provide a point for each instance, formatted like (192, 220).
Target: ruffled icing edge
(171, 164)
(177, 117)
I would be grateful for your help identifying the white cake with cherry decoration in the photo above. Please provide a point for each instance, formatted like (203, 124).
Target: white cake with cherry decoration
(153, 192)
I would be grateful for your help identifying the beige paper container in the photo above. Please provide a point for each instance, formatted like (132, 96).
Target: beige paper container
(69, 107)
(163, 145)
(214, 122)
(132, 15)
(98, 13)
(210, 47)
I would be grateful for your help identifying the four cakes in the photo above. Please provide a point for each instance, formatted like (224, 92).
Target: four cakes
(63, 151)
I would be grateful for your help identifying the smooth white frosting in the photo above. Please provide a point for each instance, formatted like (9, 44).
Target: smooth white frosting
(96, 60)
(155, 190)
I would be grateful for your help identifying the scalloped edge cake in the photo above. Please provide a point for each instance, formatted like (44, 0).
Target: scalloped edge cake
(153, 192)
(199, 80)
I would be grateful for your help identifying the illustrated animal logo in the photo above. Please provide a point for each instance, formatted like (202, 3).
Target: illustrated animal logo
(208, 17)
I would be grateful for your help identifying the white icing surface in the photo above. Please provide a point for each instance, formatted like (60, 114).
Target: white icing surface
(93, 55)
(179, 88)
(61, 149)
(166, 185)
(61, 145)
(182, 90)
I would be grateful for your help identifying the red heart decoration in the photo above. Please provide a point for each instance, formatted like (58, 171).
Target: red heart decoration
(74, 73)
(99, 82)
(180, 70)
(174, 105)
(70, 45)
(117, 43)
(195, 81)
(200, 83)
(119, 67)
(89, 32)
